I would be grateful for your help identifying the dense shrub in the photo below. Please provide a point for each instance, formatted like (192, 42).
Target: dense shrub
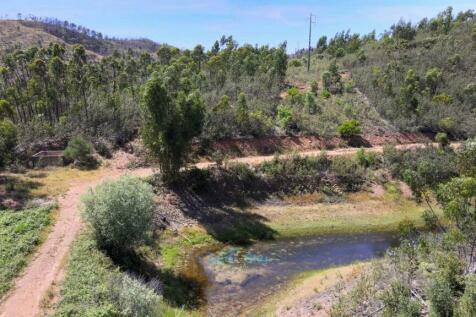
(348, 172)
(421, 168)
(467, 303)
(349, 128)
(442, 139)
(80, 152)
(366, 159)
(296, 166)
(120, 212)
(398, 302)
(133, 299)
(8, 138)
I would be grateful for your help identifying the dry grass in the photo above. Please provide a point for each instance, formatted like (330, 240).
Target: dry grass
(13, 34)
(359, 212)
(56, 181)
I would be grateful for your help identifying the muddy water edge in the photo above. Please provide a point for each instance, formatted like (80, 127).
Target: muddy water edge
(234, 278)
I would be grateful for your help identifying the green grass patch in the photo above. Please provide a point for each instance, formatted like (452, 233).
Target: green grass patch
(358, 213)
(94, 286)
(20, 233)
(176, 248)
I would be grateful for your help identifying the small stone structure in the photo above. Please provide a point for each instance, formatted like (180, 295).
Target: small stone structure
(48, 158)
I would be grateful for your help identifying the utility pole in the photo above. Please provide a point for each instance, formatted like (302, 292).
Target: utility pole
(311, 21)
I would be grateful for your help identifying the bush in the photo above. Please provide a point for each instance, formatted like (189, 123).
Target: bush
(348, 172)
(325, 94)
(441, 297)
(397, 301)
(134, 299)
(103, 148)
(120, 212)
(8, 137)
(295, 63)
(79, 152)
(366, 159)
(349, 128)
(285, 117)
(467, 304)
(442, 139)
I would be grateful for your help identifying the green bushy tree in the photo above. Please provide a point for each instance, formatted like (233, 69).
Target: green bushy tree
(120, 212)
(349, 128)
(170, 121)
(80, 152)
(8, 139)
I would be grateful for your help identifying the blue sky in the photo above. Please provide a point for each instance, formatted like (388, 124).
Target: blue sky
(186, 23)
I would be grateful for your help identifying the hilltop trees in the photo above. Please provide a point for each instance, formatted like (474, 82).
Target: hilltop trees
(58, 92)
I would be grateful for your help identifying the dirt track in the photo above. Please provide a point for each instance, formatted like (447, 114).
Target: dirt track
(46, 267)
(255, 160)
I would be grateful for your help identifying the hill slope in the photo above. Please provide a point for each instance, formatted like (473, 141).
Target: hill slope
(25, 34)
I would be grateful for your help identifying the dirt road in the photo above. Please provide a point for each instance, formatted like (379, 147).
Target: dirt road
(256, 160)
(46, 267)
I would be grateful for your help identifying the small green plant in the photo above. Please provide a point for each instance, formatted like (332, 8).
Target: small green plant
(295, 63)
(285, 116)
(325, 93)
(349, 128)
(442, 139)
(120, 212)
(366, 159)
(79, 152)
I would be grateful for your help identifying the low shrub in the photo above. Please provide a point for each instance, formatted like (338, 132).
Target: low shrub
(80, 153)
(103, 148)
(350, 175)
(442, 139)
(134, 299)
(349, 128)
(120, 212)
(366, 159)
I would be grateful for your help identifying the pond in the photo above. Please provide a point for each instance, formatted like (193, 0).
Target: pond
(241, 276)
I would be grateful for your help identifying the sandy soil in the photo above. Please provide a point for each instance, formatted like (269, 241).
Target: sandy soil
(46, 267)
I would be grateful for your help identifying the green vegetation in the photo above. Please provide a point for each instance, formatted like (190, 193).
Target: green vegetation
(349, 128)
(95, 287)
(120, 212)
(59, 92)
(80, 153)
(172, 117)
(417, 75)
(440, 262)
(20, 233)
(7, 140)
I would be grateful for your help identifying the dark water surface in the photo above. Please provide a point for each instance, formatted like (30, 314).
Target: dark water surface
(240, 277)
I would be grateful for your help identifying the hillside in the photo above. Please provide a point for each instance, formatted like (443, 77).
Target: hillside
(419, 77)
(25, 34)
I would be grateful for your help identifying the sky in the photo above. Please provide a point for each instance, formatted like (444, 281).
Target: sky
(187, 23)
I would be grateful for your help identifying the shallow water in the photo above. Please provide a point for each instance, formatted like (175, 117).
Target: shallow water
(240, 277)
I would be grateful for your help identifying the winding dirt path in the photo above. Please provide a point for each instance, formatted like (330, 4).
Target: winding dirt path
(46, 267)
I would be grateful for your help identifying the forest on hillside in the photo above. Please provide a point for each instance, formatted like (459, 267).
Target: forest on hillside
(415, 77)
